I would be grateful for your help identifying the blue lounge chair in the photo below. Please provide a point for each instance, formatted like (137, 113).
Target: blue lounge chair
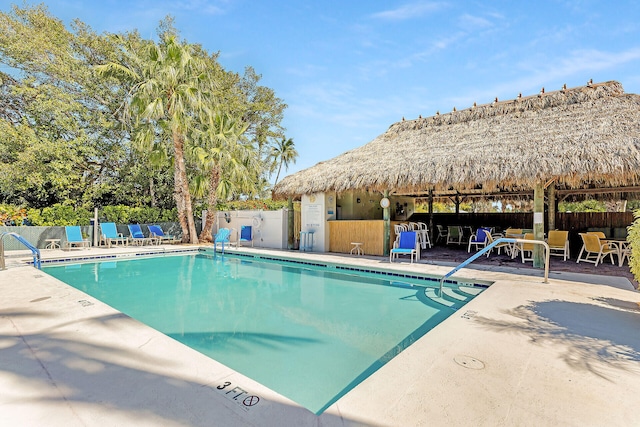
(407, 244)
(155, 232)
(109, 234)
(246, 234)
(74, 237)
(137, 236)
(222, 236)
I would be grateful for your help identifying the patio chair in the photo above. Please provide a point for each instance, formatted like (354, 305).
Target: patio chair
(442, 233)
(246, 234)
(592, 246)
(625, 252)
(156, 233)
(423, 235)
(222, 236)
(454, 234)
(480, 239)
(407, 244)
(508, 247)
(74, 237)
(526, 249)
(109, 235)
(600, 234)
(558, 242)
(137, 236)
(515, 233)
(399, 228)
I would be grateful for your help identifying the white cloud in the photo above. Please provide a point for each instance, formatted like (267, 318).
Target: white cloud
(472, 23)
(585, 60)
(577, 67)
(408, 11)
(305, 70)
(202, 6)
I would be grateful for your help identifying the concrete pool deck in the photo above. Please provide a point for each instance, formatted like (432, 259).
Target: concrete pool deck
(523, 352)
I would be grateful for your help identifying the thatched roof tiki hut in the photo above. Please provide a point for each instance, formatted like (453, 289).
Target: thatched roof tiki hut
(582, 139)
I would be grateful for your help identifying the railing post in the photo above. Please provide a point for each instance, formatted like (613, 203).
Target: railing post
(35, 251)
(491, 246)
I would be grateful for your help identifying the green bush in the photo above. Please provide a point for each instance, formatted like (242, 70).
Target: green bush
(66, 214)
(261, 204)
(634, 241)
(12, 213)
(59, 214)
(589, 205)
(122, 214)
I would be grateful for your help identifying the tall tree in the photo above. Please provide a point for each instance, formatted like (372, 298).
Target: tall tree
(225, 160)
(163, 103)
(283, 153)
(57, 115)
(67, 137)
(262, 110)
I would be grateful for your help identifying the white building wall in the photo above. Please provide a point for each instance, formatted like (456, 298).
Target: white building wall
(316, 210)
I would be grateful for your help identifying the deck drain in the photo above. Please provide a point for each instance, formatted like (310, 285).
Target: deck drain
(39, 299)
(469, 362)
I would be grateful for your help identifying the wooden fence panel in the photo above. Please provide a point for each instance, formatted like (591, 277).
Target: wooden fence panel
(369, 232)
(574, 221)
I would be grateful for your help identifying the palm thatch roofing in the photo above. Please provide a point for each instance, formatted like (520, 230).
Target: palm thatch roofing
(581, 138)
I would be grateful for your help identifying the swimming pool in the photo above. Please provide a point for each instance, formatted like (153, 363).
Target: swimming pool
(307, 331)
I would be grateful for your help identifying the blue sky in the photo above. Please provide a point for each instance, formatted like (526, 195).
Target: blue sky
(350, 69)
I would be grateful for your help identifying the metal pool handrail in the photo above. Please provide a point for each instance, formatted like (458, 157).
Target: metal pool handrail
(36, 252)
(491, 246)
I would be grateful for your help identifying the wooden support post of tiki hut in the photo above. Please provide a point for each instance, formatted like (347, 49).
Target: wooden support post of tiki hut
(551, 203)
(538, 224)
(290, 224)
(431, 236)
(386, 216)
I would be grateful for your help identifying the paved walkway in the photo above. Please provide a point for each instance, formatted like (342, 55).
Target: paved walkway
(522, 353)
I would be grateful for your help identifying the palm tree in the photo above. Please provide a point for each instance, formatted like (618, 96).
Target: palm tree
(283, 153)
(225, 160)
(165, 100)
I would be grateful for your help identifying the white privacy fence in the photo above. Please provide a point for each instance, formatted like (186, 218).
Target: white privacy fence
(269, 227)
(38, 236)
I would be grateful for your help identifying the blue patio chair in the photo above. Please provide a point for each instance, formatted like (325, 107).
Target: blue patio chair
(246, 234)
(222, 236)
(109, 235)
(480, 239)
(155, 232)
(137, 236)
(407, 244)
(74, 237)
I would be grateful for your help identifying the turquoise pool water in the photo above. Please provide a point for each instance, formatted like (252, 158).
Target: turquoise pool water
(308, 333)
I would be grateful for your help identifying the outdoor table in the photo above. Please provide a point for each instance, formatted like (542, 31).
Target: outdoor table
(357, 246)
(515, 247)
(52, 244)
(621, 247)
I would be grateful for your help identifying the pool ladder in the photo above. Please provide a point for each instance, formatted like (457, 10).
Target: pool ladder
(35, 251)
(491, 246)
